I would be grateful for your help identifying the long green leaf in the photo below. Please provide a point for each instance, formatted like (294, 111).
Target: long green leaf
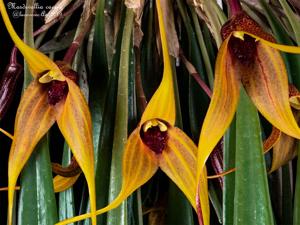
(119, 215)
(294, 21)
(252, 200)
(229, 180)
(98, 83)
(287, 195)
(37, 204)
(296, 216)
(66, 198)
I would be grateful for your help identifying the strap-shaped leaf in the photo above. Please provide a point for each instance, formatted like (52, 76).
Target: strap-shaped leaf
(267, 84)
(76, 126)
(162, 103)
(34, 118)
(37, 61)
(251, 194)
(139, 165)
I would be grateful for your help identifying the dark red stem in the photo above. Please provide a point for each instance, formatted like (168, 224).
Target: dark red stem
(234, 7)
(202, 84)
(69, 56)
(216, 159)
(13, 56)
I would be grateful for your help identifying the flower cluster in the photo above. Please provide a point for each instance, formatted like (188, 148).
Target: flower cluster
(248, 58)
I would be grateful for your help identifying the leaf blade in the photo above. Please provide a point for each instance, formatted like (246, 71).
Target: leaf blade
(251, 187)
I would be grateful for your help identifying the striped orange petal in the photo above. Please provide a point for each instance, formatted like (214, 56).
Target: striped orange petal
(139, 165)
(178, 161)
(177, 157)
(63, 183)
(34, 118)
(266, 83)
(74, 122)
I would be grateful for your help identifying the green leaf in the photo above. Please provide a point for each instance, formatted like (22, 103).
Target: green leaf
(296, 216)
(59, 43)
(104, 129)
(294, 21)
(66, 198)
(251, 196)
(179, 210)
(119, 215)
(37, 204)
(98, 82)
(291, 60)
(287, 195)
(229, 180)
(202, 44)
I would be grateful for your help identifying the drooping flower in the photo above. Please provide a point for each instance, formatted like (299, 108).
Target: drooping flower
(284, 147)
(53, 96)
(157, 143)
(248, 56)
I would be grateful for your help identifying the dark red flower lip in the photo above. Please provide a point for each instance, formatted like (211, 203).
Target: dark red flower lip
(154, 134)
(58, 90)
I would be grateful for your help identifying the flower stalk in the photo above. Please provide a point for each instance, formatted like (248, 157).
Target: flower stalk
(234, 7)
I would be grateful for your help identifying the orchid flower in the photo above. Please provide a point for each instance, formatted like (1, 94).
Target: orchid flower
(51, 97)
(248, 56)
(284, 146)
(157, 143)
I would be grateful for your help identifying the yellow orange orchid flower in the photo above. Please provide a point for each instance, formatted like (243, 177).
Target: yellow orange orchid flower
(51, 97)
(157, 143)
(285, 146)
(248, 56)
